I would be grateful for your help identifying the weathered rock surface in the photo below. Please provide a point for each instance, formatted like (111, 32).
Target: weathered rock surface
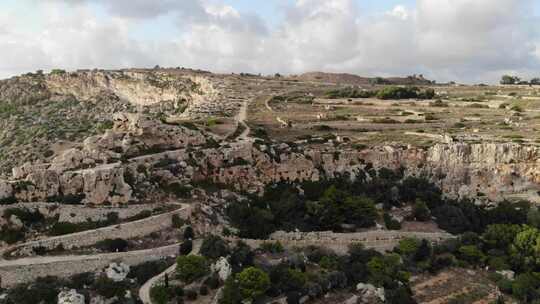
(139, 148)
(223, 268)
(369, 294)
(117, 272)
(70, 297)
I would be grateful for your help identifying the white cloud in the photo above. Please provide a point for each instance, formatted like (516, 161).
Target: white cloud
(471, 40)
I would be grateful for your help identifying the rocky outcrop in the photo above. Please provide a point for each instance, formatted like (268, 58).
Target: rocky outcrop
(369, 294)
(139, 148)
(223, 268)
(70, 297)
(117, 272)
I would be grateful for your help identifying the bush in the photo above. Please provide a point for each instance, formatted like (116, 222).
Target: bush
(272, 247)
(190, 268)
(390, 223)
(113, 245)
(253, 283)
(186, 247)
(160, 294)
(108, 288)
(11, 235)
(214, 247)
(145, 271)
(43, 289)
(188, 233)
(421, 211)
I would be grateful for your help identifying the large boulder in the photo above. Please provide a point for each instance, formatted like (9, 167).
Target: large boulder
(70, 297)
(117, 272)
(222, 268)
(369, 294)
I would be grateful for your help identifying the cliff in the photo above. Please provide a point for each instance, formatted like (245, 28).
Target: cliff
(140, 156)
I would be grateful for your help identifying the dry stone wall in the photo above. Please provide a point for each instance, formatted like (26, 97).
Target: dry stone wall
(340, 242)
(28, 270)
(78, 213)
(87, 238)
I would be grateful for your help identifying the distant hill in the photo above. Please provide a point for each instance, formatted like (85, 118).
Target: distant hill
(351, 79)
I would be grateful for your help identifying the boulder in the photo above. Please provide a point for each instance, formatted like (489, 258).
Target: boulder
(369, 294)
(117, 272)
(507, 274)
(70, 297)
(223, 268)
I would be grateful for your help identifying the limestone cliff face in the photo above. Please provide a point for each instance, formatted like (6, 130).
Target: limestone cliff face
(490, 170)
(153, 153)
(134, 87)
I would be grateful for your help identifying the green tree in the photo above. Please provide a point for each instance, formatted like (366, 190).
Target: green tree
(500, 236)
(533, 217)
(253, 283)
(360, 211)
(471, 254)
(191, 267)
(525, 287)
(214, 247)
(507, 79)
(408, 246)
(231, 292)
(526, 246)
(421, 211)
(385, 270)
(160, 294)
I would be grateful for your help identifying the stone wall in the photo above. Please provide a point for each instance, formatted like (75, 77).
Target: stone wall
(79, 213)
(27, 270)
(87, 238)
(340, 242)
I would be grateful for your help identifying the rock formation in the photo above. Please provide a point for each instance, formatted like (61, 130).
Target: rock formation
(117, 272)
(70, 297)
(108, 167)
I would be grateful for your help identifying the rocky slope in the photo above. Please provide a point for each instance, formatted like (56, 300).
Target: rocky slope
(141, 157)
(41, 114)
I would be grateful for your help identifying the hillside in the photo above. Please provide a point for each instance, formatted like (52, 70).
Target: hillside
(351, 79)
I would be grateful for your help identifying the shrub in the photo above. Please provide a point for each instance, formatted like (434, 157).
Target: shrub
(253, 283)
(160, 294)
(390, 223)
(191, 267)
(108, 288)
(188, 233)
(421, 211)
(214, 247)
(113, 245)
(272, 247)
(11, 235)
(145, 271)
(186, 247)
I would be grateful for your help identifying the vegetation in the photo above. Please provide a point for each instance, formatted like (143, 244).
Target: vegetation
(385, 93)
(214, 247)
(190, 268)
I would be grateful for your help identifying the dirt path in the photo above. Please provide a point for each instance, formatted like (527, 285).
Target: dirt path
(241, 119)
(144, 291)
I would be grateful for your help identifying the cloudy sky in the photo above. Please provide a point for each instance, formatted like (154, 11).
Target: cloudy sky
(462, 40)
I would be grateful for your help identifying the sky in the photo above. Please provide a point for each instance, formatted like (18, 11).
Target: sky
(446, 40)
